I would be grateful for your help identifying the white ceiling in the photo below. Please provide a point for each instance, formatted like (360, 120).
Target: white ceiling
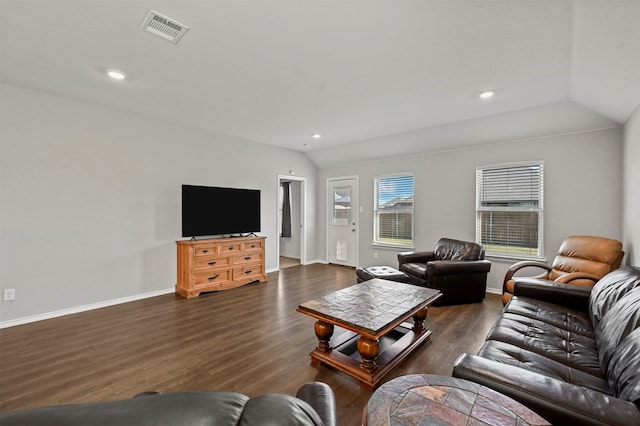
(277, 71)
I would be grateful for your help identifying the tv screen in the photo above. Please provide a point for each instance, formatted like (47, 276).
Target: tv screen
(208, 210)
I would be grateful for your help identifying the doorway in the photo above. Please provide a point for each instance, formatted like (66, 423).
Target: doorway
(342, 221)
(292, 231)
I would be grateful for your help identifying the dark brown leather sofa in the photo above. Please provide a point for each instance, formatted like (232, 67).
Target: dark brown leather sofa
(314, 404)
(570, 353)
(456, 268)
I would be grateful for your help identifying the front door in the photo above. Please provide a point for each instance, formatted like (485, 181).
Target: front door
(343, 221)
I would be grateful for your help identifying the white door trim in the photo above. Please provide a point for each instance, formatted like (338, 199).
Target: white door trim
(356, 216)
(303, 217)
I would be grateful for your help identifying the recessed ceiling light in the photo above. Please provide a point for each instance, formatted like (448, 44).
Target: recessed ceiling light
(487, 94)
(316, 135)
(116, 75)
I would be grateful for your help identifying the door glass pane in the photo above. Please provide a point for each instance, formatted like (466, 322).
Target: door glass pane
(341, 205)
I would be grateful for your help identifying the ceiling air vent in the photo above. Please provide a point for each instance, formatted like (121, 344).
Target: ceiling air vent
(164, 27)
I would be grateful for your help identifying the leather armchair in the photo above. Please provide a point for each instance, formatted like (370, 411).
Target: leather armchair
(581, 261)
(456, 268)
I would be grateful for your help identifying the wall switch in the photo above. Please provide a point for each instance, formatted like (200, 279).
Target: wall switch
(375, 254)
(9, 294)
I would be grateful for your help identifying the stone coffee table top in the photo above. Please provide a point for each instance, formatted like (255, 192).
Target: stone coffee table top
(419, 399)
(371, 306)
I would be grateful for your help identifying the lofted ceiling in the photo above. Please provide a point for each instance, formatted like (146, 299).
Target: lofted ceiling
(356, 72)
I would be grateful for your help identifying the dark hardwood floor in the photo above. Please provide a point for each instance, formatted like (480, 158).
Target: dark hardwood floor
(249, 339)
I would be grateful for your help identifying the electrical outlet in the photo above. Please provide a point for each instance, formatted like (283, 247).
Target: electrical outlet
(375, 254)
(9, 294)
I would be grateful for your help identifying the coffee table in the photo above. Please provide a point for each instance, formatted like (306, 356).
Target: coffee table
(371, 333)
(419, 399)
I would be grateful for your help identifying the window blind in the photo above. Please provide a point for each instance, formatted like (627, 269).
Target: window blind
(393, 210)
(509, 209)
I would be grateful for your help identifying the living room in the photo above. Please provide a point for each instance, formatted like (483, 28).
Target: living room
(91, 185)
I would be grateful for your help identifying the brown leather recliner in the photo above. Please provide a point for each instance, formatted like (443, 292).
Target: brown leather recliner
(455, 268)
(581, 260)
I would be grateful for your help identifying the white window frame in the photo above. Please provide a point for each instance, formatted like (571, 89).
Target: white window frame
(376, 238)
(539, 209)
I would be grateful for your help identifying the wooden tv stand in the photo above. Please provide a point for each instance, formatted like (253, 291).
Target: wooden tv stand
(219, 264)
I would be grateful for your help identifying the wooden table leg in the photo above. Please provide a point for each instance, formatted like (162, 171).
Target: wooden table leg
(418, 320)
(324, 331)
(368, 349)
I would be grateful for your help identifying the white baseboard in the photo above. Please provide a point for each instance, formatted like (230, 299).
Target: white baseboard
(83, 308)
(494, 290)
(308, 262)
(324, 262)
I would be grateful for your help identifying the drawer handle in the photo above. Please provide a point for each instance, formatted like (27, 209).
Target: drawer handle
(213, 277)
(248, 272)
(247, 258)
(230, 248)
(253, 245)
(205, 251)
(212, 263)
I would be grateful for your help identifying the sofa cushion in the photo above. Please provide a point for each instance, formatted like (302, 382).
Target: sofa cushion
(268, 410)
(550, 313)
(610, 289)
(557, 343)
(416, 269)
(537, 363)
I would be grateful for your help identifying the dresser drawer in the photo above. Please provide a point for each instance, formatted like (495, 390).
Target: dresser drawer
(253, 245)
(247, 271)
(206, 250)
(230, 248)
(247, 257)
(212, 277)
(210, 262)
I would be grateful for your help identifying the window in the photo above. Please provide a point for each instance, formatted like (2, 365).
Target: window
(341, 206)
(509, 209)
(393, 210)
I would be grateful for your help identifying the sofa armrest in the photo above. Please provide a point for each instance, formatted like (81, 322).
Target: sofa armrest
(569, 296)
(415, 257)
(322, 399)
(458, 267)
(557, 401)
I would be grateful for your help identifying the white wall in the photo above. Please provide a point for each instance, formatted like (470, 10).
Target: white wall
(583, 191)
(632, 188)
(90, 198)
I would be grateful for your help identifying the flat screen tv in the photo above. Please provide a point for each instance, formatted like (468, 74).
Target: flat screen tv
(214, 211)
